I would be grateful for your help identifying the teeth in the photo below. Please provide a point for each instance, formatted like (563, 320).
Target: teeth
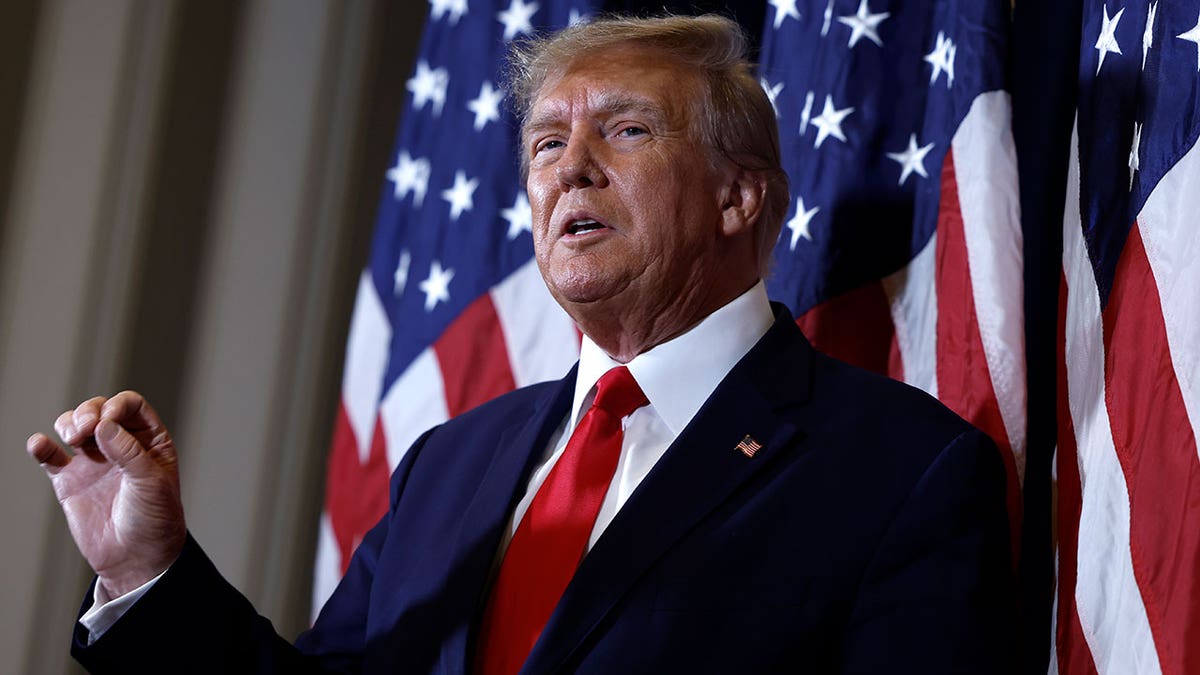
(583, 225)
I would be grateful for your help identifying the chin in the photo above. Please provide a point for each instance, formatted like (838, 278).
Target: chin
(581, 289)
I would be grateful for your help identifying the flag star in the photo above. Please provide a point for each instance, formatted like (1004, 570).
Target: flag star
(911, 159)
(517, 18)
(1192, 35)
(462, 195)
(1148, 35)
(828, 18)
(1134, 161)
(429, 85)
(437, 286)
(942, 59)
(829, 122)
(575, 17)
(784, 9)
(486, 106)
(400, 277)
(439, 8)
(799, 222)
(772, 92)
(864, 24)
(806, 113)
(519, 217)
(1107, 42)
(410, 175)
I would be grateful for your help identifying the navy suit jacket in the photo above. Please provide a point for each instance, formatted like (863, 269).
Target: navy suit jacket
(868, 535)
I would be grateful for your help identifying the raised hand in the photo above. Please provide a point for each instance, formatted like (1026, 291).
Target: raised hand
(120, 488)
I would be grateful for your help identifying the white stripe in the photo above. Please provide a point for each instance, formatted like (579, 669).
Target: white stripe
(912, 297)
(416, 402)
(1110, 606)
(1168, 226)
(366, 360)
(985, 166)
(327, 571)
(541, 339)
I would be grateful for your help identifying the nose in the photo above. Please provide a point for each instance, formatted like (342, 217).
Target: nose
(578, 167)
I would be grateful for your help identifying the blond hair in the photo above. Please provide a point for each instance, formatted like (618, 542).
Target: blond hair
(734, 118)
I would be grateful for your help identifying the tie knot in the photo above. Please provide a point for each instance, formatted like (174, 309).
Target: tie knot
(618, 393)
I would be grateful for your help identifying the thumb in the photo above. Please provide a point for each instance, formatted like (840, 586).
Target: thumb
(116, 444)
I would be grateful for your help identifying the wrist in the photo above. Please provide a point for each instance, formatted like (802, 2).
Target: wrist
(111, 587)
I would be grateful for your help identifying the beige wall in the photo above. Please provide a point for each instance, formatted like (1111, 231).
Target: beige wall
(186, 195)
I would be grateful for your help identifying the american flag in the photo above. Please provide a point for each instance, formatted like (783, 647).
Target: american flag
(902, 248)
(1129, 348)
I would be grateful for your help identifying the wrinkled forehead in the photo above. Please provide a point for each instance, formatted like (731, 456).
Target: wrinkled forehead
(622, 77)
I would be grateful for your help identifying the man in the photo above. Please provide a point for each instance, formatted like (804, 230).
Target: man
(702, 493)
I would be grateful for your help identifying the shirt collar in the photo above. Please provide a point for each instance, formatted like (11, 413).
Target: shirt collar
(680, 374)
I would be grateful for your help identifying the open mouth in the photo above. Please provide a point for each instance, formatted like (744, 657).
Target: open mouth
(583, 226)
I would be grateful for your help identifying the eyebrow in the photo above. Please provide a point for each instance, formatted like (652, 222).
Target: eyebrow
(605, 104)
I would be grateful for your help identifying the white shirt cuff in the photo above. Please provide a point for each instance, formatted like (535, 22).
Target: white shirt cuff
(106, 611)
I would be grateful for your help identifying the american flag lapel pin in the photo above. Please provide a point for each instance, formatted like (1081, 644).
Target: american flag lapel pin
(748, 446)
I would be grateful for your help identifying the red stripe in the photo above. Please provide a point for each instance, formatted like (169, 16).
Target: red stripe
(964, 381)
(356, 494)
(1074, 658)
(1157, 449)
(473, 358)
(855, 327)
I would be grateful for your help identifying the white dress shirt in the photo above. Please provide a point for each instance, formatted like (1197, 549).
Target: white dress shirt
(677, 377)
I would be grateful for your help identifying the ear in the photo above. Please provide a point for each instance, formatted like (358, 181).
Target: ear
(745, 194)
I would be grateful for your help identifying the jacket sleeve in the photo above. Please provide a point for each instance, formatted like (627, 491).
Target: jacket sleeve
(194, 621)
(938, 596)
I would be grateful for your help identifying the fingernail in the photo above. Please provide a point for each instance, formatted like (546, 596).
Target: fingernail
(106, 430)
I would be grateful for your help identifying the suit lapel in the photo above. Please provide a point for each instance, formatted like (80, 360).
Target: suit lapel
(517, 450)
(699, 472)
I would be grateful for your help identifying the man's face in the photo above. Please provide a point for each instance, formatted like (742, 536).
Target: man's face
(626, 202)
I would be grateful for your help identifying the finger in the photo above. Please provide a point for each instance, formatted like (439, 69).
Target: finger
(87, 414)
(131, 410)
(64, 426)
(46, 452)
(117, 444)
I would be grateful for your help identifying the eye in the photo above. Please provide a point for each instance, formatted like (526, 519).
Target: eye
(549, 144)
(632, 131)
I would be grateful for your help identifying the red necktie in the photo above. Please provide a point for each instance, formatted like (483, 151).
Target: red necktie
(553, 535)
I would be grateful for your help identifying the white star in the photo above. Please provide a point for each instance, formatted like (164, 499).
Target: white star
(410, 175)
(516, 18)
(401, 275)
(864, 24)
(942, 59)
(1192, 35)
(799, 222)
(828, 18)
(784, 9)
(772, 92)
(1148, 35)
(1107, 42)
(806, 113)
(462, 195)
(1134, 161)
(829, 122)
(911, 159)
(456, 8)
(575, 17)
(519, 217)
(437, 286)
(486, 106)
(429, 85)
